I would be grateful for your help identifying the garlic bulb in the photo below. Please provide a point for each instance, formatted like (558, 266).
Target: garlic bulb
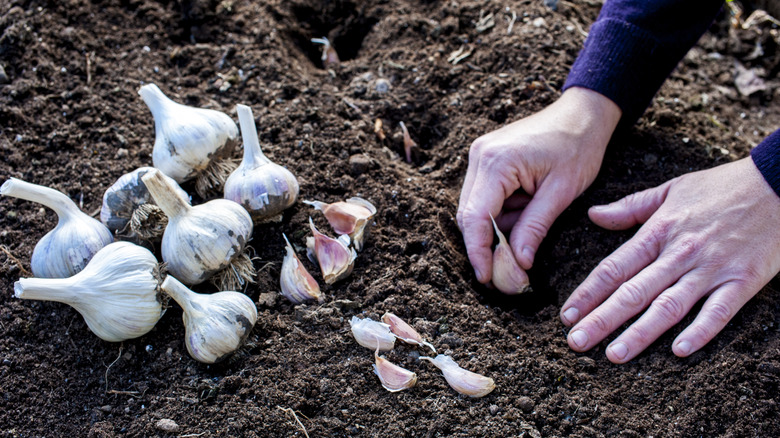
(393, 377)
(129, 210)
(66, 249)
(335, 257)
(508, 276)
(296, 282)
(372, 334)
(350, 217)
(463, 381)
(190, 142)
(404, 331)
(263, 187)
(116, 292)
(202, 240)
(216, 324)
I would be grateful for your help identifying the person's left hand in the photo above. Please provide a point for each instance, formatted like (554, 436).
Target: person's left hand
(715, 232)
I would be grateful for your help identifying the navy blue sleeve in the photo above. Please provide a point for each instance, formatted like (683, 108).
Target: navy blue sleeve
(766, 156)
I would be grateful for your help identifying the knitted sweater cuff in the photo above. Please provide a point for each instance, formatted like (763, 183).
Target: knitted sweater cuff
(767, 158)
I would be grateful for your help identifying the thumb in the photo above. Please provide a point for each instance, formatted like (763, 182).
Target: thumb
(536, 219)
(634, 209)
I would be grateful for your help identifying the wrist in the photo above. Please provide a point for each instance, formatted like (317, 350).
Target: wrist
(594, 114)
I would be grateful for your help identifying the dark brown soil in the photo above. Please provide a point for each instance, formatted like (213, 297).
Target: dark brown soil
(70, 118)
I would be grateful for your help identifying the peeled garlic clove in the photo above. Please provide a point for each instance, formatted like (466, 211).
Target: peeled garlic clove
(65, 250)
(404, 331)
(463, 381)
(296, 282)
(372, 334)
(129, 210)
(189, 141)
(351, 217)
(216, 324)
(508, 276)
(393, 377)
(200, 240)
(263, 187)
(329, 55)
(116, 292)
(335, 258)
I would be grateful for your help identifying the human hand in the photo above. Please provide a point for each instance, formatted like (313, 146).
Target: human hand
(526, 173)
(712, 232)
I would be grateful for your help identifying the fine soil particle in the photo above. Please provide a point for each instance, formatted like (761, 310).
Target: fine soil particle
(451, 71)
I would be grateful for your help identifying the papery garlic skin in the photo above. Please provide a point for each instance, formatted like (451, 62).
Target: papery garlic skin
(393, 377)
(464, 381)
(116, 292)
(508, 276)
(404, 331)
(186, 138)
(121, 202)
(351, 217)
(296, 282)
(372, 334)
(216, 324)
(202, 240)
(66, 249)
(335, 257)
(263, 187)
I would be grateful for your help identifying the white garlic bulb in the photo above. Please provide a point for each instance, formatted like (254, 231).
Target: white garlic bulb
(393, 377)
(202, 240)
(116, 292)
(335, 257)
(296, 282)
(189, 141)
(263, 187)
(65, 250)
(372, 334)
(129, 210)
(508, 276)
(464, 381)
(404, 331)
(216, 324)
(350, 217)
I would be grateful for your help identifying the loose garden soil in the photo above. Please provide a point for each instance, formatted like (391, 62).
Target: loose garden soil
(71, 119)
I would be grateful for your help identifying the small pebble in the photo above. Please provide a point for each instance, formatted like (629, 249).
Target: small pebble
(493, 409)
(526, 404)
(382, 86)
(167, 425)
(359, 164)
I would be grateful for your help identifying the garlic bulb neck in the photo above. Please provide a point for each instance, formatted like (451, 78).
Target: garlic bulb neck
(57, 201)
(116, 292)
(165, 195)
(253, 154)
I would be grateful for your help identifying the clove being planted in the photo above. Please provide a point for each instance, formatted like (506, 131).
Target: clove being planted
(66, 249)
(464, 381)
(335, 257)
(296, 282)
(508, 276)
(116, 292)
(190, 143)
(129, 210)
(263, 187)
(216, 324)
(351, 217)
(329, 55)
(203, 240)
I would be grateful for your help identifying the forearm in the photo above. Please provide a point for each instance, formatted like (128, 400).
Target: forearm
(635, 44)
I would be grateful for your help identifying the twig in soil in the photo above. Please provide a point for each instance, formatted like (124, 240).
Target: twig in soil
(485, 22)
(192, 435)
(458, 55)
(511, 22)
(19, 264)
(112, 364)
(115, 391)
(89, 68)
(352, 105)
(291, 412)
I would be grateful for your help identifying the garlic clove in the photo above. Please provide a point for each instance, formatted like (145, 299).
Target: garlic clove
(202, 240)
(393, 377)
(335, 258)
(296, 282)
(329, 55)
(129, 210)
(404, 331)
(189, 142)
(464, 381)
(66, 249)
(350, 217)
(263, 187)
(116, 292)
(508, 276)
(408, 142)
(372, 334)
(216, 324)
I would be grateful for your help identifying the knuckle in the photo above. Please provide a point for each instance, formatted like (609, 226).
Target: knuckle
(669, 307)
(640, 334)
(721, 313)
(703, 332)
(661, 229)
(600, 324)
(631, 295)
(687, 247)
(610, 272)
(537, 227)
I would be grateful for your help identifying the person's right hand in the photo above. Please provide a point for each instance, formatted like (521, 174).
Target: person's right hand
(526, 173)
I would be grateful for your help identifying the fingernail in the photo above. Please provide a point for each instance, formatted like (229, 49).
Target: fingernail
(684, 347)
(619, 350)
(571, 315)
(580, 338)
(479, 275)
(528, 253)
